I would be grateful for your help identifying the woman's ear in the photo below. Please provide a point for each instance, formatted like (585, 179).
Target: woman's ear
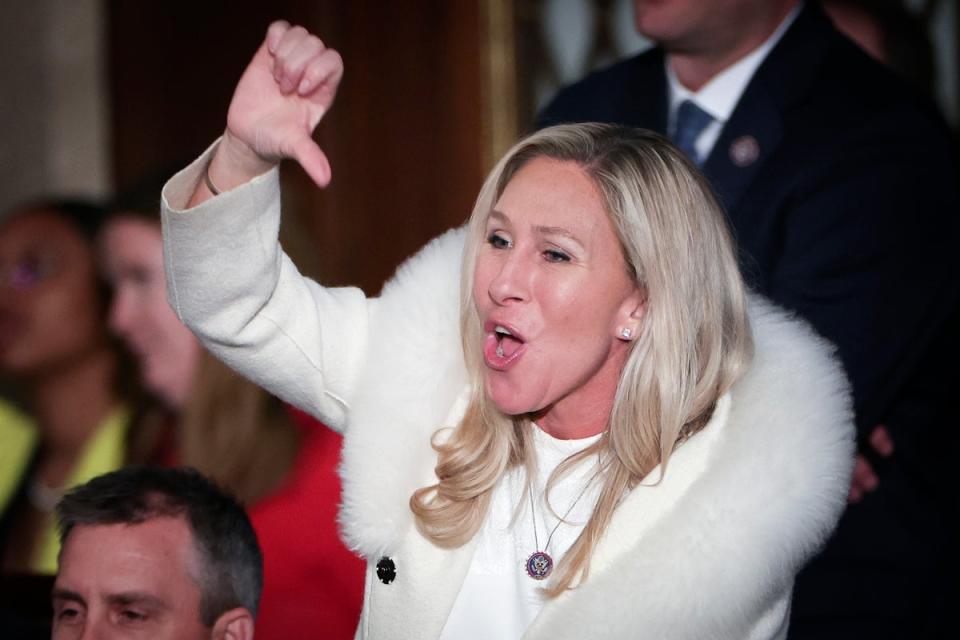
(631, 315)
(235, 624)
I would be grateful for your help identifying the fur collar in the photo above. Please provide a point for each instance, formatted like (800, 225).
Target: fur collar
(405, 394)
(740, 509)
(775, 480)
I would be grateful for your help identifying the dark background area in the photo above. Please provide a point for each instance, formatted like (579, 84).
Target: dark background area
(403, 138)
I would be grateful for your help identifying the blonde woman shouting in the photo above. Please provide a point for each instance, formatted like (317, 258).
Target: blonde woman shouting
(566, 420)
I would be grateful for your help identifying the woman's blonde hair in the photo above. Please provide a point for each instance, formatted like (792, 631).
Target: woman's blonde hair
(693, 344)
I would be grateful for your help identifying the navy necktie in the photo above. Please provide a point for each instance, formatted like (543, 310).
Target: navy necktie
(690, 123)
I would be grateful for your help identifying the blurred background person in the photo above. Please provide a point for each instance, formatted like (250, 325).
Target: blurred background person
(71, 421)
(276, 460)
(890, 33)
(67, 411)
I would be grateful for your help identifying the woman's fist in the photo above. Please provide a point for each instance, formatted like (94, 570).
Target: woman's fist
(281, 97)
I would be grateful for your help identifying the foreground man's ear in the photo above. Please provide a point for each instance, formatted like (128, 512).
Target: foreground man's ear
(235, 624)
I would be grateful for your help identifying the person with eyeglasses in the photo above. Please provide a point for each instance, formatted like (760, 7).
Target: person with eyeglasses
(65, 418)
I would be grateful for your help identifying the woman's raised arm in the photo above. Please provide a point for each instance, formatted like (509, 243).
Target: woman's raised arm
(227, 277)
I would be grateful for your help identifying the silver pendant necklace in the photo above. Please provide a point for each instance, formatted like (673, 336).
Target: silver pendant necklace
(539, 564)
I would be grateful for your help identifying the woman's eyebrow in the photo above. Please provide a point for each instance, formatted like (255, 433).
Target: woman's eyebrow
(548, 230)
(499, 216)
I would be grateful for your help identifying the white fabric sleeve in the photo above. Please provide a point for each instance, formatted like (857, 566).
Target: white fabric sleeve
(230, 282)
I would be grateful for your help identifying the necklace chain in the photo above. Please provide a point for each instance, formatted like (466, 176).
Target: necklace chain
(539, 565)
(563, 519)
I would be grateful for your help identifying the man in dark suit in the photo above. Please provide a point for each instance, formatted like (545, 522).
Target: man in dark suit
(840, 186)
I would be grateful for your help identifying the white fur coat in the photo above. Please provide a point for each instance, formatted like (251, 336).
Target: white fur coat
(710, 552)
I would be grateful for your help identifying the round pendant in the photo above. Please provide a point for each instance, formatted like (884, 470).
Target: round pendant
(539, 565)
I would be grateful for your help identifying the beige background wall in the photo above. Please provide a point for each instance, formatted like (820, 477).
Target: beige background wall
(54, 107)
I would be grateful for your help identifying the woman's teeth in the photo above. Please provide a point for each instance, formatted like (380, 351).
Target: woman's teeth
(501, 332)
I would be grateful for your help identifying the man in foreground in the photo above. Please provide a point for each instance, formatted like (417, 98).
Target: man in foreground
(155, 553)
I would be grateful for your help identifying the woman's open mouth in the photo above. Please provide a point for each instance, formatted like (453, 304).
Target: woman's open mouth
(502, 346)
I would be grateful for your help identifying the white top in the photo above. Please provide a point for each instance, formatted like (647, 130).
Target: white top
(719, 97)
(498, 599)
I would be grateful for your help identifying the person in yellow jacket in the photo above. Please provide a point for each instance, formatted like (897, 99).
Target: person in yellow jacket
(56, 354)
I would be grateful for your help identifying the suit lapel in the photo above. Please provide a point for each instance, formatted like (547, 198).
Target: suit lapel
(646, 94)
(755, 129)
(748, 140)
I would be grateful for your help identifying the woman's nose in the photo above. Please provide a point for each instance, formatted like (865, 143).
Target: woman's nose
(512, 281)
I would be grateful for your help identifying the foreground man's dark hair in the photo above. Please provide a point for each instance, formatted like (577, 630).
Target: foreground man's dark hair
(231, 564)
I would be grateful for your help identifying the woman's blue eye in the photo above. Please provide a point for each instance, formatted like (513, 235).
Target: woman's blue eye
(553, 255)
(498, 242)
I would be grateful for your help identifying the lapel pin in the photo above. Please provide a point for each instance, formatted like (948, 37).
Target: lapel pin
(744, 151)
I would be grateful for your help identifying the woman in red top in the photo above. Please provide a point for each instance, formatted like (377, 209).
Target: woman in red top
(274, 459)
